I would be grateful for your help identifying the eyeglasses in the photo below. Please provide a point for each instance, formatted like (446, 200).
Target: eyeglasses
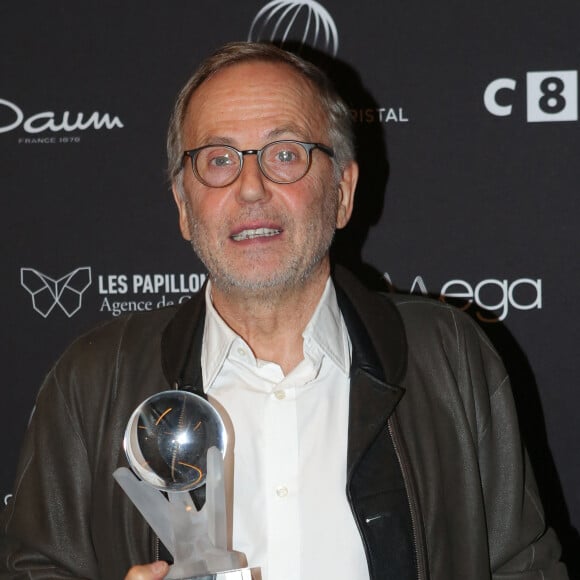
(281, 161)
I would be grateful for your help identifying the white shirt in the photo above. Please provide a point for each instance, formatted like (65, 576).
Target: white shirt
(287, 444)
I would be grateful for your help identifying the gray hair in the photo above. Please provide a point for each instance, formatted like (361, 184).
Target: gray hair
(340, 130)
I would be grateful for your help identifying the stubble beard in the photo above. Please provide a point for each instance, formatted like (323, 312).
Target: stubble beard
(294, 272)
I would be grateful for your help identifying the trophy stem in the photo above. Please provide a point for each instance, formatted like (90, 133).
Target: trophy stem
(196, 540)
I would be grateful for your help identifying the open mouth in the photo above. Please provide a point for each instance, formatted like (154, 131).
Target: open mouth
(251, 234)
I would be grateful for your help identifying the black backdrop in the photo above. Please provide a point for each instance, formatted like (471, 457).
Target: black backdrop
(467, 117)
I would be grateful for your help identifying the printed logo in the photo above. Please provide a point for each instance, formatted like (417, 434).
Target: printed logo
(119, 293)
(491, 298)
(7, 498)
(47, 293)
(550, 96)
(146, 291)
(306, 22)
(12, 117)
(374, 115)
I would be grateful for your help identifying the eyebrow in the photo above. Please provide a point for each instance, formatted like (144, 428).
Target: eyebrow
(218, 140)
(291, 129)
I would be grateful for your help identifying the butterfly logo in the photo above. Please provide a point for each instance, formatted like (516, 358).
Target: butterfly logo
(47, 293)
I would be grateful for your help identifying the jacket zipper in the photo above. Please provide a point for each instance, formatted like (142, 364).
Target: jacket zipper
(419, 551)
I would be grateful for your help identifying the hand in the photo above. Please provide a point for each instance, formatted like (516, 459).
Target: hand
(154, 571)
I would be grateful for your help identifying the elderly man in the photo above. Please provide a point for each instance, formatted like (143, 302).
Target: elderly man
(373, 437)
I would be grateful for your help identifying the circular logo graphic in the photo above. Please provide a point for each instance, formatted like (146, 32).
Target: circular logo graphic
(306, 22)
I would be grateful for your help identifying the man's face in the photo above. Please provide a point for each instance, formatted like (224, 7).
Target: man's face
(255, 234)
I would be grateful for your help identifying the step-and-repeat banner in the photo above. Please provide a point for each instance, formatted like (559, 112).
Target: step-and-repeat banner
(468, 130)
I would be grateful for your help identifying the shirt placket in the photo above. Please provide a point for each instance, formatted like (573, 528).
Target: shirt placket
(282, 479)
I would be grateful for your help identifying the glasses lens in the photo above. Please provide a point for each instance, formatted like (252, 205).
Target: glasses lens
(284, 161)
(217, 165)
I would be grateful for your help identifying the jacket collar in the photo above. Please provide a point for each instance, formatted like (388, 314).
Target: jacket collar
(375, 327)
(378, 366)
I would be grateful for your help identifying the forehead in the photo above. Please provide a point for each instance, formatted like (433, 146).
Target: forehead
(251, 99)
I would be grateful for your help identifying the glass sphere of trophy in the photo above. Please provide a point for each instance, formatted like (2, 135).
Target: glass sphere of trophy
(175, 442)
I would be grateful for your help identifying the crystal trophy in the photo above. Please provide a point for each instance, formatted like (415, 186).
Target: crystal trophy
(175, 442)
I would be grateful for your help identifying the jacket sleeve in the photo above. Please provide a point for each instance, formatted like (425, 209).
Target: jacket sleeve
(45, 527)
(68, 518)
(521, 545)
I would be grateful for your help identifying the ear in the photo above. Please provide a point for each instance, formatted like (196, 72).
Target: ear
(182, 209)
(346, 189)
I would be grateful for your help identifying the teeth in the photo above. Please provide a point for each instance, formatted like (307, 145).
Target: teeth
(257, 233)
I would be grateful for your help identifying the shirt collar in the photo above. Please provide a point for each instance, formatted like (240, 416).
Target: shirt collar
(218, 339)
(325, 332)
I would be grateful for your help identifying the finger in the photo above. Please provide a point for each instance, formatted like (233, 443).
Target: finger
(154, 571)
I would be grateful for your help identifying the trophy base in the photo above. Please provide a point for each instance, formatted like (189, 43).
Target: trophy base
(241, 574)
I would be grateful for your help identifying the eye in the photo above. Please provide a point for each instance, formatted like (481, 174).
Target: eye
(283, 153)
(221, 160)
(216, 157)
(286, 156)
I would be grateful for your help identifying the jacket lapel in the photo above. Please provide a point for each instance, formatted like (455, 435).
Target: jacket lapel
(371, 404)
(378, 365)
(181, 345)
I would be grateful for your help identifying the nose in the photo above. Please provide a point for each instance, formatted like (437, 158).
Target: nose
(251, 182)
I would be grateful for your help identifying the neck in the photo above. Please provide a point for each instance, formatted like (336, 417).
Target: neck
(272, 322)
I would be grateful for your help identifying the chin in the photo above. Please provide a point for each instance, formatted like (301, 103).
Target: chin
(274, 282)
(250, 284)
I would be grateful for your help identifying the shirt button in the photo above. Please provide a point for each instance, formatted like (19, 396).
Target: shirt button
(282, 491)
(241, 351)
(280, 394)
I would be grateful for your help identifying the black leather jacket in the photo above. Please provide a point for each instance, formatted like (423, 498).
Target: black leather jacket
(437, 479)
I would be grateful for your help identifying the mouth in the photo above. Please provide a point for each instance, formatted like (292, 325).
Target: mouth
(251, 234)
